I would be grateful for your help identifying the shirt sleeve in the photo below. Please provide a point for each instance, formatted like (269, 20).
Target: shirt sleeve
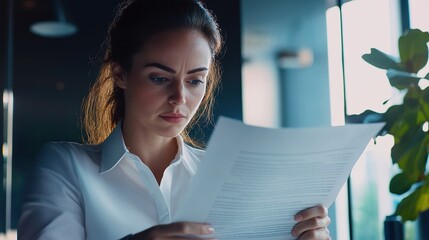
(53, 207)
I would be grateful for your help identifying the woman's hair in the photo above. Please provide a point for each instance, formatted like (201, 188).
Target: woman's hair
(135, 23)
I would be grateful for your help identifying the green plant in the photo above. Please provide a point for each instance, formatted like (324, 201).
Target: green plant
(407, 122)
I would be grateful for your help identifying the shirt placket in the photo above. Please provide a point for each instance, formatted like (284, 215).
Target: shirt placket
(154, 190)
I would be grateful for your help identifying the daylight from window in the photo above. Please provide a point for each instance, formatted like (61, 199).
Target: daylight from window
(365, 87)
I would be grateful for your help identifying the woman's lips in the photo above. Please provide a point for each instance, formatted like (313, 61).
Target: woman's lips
(173, 118)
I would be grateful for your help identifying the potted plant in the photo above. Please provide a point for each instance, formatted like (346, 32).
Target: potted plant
(407, 122)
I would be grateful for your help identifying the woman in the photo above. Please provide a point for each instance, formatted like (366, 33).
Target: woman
(158, 77)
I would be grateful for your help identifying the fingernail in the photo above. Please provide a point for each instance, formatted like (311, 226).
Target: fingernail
(210, 230)
(298, 218)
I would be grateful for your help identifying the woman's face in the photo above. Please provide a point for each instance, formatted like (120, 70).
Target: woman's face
(166, 83)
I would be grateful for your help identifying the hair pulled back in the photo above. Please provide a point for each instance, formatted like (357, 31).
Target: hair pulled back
(135, 23)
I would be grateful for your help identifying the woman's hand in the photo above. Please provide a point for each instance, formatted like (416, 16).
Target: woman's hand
(312, 224)
(177, 230)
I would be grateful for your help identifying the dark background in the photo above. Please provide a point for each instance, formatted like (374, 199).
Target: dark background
(52, 75)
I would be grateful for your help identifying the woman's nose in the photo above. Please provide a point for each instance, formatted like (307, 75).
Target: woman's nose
(178, 96)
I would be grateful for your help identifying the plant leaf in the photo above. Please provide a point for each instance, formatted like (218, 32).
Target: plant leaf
(412, 98)
(381, 60)
(368, 116)
(415, 203)
(402, 80)
(401, 183)
(421, 116)
(424, 103)
(399, 119)
(392, 113)
(413, 50)
(406, 135)
(413, 160)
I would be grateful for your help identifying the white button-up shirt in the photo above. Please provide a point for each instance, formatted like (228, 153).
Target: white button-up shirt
(101, 191)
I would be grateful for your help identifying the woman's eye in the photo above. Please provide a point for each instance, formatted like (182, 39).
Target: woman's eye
(196, 82)
(158, 80)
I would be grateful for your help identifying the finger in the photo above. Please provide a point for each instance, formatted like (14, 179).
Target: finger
(178, 230)
(313, 212)
(317, 234)
(188, 228)
(188, 237)
(310, 225)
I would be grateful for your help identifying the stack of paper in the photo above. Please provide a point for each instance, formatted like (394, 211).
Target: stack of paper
(253, 180)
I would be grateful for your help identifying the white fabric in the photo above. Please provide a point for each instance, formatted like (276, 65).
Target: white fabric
(101, 191)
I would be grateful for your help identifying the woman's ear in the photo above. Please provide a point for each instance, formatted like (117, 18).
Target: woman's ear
(119, 76)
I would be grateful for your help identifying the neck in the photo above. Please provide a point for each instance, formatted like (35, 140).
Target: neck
(155, 151)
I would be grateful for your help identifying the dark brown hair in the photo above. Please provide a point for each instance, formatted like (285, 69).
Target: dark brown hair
(135, 23)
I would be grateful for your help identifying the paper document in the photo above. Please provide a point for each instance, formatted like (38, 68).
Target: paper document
(253, 180)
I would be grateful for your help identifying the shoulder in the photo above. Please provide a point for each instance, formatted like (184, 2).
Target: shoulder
(53, 202)
(60, 165)
(65, 154)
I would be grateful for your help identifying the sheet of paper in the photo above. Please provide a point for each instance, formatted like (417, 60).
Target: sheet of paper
(253, 180)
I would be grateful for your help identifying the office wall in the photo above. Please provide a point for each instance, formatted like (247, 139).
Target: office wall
(274, 26)
(3, 26)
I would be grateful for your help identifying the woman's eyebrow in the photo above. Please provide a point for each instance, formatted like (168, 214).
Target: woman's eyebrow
(197, 70)
(160, 66)
(168, 69)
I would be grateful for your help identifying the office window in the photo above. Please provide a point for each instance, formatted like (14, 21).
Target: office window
(418, 14)
(420, 19)
(366, 24)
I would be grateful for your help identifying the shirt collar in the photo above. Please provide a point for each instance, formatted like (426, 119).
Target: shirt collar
(180, 146)
(185, 156)
(113, 149)
(188, 157)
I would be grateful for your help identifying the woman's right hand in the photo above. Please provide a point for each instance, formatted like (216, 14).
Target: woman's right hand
(177, 230)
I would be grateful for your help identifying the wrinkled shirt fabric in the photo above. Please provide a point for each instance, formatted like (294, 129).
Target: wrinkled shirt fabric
(101, 191)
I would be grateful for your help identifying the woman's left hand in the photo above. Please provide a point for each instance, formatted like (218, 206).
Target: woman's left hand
(312, 224)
